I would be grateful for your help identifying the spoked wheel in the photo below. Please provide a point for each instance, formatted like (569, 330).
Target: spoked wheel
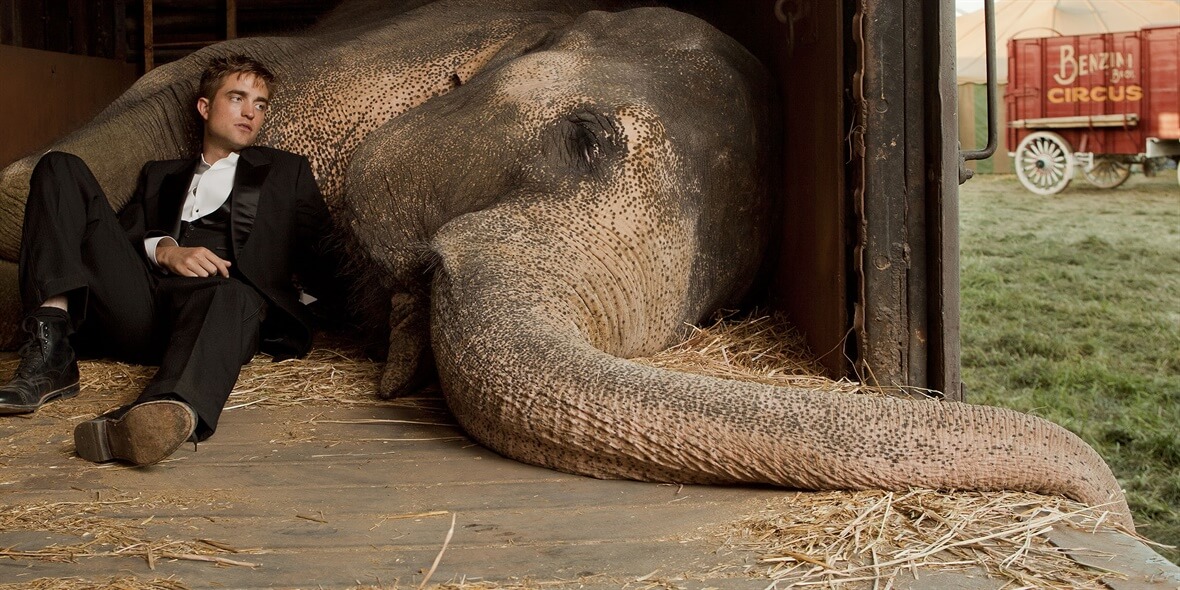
(1107, 172)
(1044, 163)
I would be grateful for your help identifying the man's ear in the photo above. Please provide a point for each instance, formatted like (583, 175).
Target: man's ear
(203, 107)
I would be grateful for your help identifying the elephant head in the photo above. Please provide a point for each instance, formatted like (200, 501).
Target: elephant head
(544, 199)
(620, 138)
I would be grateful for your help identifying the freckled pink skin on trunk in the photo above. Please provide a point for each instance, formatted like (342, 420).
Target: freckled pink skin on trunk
(525, 379)
(580, 185)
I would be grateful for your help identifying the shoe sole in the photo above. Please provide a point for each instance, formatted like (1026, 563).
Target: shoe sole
(147, 434)
(63, 393)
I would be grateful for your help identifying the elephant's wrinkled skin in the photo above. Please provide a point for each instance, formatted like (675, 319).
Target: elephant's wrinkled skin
(558, 190)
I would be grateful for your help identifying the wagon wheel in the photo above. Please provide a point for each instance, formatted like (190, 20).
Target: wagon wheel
(1107, 172)
(1044, 163)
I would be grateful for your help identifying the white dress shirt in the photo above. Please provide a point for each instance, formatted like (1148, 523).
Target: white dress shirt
(207, 192)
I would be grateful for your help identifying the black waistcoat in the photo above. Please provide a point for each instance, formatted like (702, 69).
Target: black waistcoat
(210, 231)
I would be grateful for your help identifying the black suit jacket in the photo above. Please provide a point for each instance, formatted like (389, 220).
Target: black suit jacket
(279, 227)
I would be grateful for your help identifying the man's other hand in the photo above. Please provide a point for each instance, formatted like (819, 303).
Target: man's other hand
(191, 262)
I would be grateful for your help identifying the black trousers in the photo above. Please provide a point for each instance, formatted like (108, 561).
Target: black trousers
(199, 330)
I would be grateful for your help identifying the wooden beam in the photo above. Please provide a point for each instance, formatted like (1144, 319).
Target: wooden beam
(9, 31)
(231, 19)
(148, 41)
(82, 26)
(120, 24)
(1115, 120)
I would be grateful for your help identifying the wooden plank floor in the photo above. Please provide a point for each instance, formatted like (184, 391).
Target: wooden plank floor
(317, 496)
(324, 494)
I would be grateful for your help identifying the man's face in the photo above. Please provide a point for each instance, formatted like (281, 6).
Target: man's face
(234, 117)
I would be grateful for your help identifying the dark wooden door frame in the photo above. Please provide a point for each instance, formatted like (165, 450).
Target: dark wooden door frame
(905, 195)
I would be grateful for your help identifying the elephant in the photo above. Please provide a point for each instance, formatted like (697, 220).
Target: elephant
(536, 191)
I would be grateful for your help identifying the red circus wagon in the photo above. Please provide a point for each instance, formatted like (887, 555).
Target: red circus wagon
(1098, 102)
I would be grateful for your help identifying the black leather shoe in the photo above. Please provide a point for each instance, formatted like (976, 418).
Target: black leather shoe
(142, 434)
(48, 368)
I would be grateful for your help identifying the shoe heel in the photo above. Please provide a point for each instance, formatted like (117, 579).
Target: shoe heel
(91, 442)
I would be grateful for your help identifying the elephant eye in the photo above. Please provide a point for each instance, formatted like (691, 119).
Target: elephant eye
(590, 138)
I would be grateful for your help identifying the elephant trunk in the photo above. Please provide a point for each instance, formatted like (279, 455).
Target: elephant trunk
(519, 371)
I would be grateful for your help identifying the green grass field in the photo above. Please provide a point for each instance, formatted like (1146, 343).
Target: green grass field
(1071, 311)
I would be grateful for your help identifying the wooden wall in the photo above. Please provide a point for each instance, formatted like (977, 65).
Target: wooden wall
(80, 27)
(45, 95)
(809, 270)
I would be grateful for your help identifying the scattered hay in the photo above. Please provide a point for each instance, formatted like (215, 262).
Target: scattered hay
(522, 584)
(757, 348)
(340, 375)
(102, 536)
(825, 538)
(337, 373)
(519, 585)
(72, 583)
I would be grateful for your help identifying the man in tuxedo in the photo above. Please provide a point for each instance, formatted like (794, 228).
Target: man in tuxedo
(197, 273)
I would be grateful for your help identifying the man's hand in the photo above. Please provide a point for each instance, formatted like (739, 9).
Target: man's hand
(191, 262)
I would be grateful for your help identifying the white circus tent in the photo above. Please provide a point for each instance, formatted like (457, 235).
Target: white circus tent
(1019, 19)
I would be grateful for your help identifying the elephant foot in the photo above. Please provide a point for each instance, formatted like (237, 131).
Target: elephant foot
(397, 382)
(409, 364)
